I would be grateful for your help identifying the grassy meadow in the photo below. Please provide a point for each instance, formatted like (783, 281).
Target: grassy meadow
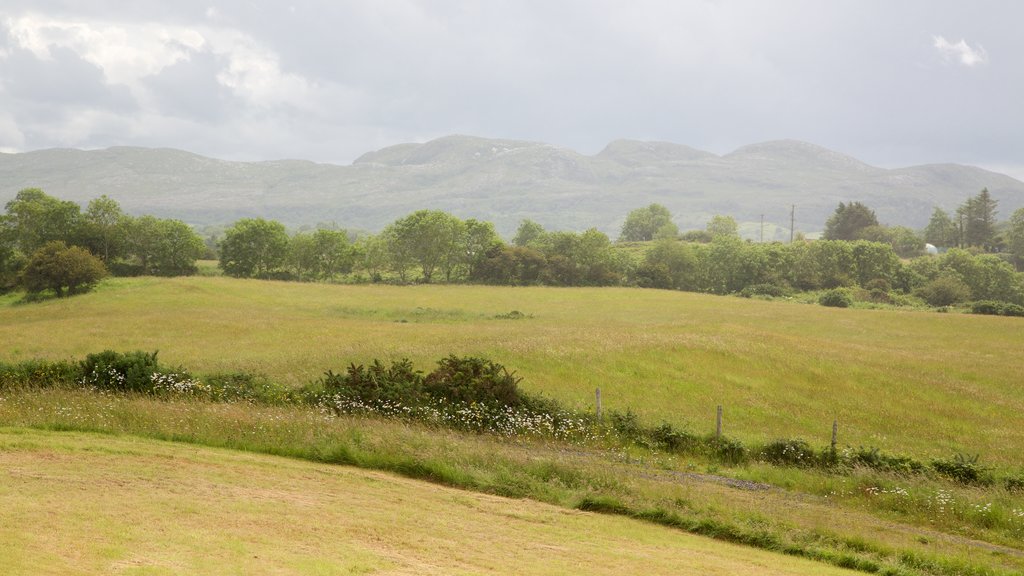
(915, 383)
(76, 503)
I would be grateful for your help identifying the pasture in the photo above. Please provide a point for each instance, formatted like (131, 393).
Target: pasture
(916, 383)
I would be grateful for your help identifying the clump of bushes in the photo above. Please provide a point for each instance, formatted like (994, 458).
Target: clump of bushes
(964, 469)
(836, 298)
(876, 460)
(38, 374)
(120, 372)
(997, 308)
(468, 380)
(788, 453)
(945, 290)
(766, 290)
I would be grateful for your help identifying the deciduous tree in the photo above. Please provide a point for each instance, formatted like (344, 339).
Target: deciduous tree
(63, 269)
(643, 223)
(253, 248)
(848, 220)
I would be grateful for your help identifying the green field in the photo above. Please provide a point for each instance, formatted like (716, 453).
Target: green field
(917, 383)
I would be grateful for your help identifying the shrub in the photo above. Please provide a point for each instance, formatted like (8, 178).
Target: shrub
(667, 437)
(788, 453)
(836, 298)
(472, 379)
(1014, 483)
(997, 308)
(963, 468)
(945, 290)
(879, 296)
(65, 270)
(876, 460)
(728, 450)
(249, 387)
(626, 424)
(772, 290)
(123, 372)
(376, 383)
(878, 284)
(38, 374)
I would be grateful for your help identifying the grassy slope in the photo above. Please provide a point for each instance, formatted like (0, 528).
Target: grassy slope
(919, 383)
(89, 504)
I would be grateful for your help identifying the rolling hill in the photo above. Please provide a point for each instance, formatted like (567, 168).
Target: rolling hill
(505, 181)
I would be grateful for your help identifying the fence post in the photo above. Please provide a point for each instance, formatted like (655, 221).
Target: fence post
(835, 434)
(718, 423)
(597, 393)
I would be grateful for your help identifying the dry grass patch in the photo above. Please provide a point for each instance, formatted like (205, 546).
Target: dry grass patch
(78, 503)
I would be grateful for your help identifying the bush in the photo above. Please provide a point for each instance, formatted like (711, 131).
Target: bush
(878, 284)
(666, 437)
(38, 374)
(1014, 483)
(249, 387)
(772, 290)
(728, 450)
(65, 270)
(127, 372)
(836, 298)
(788, 453)
(471, 379)
(996, 308)
(376, 383)
(945, 290)
(626, 424)
(963, 469)
(876, 460)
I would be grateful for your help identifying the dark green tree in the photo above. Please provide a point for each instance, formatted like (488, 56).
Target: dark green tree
(320, 255)
(976, 220)
(941, 230)
(478, 239)
(253, 248)
(643, 223)
(104, 229)
(528, 232)
(723, 227)
(848, 220)
(1015, 237)
(63, 269)
(35, 218)
(428, 239)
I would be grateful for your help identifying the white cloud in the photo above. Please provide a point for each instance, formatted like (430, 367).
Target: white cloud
(127, 54)
(961, 52)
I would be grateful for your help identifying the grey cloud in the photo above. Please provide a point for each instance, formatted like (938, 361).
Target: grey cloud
(63, 80)
(190, 89)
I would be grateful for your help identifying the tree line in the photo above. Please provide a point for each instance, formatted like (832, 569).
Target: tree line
(41, 236)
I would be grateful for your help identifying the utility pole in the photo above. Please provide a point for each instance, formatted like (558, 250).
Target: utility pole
(762, 228)
(792, 221)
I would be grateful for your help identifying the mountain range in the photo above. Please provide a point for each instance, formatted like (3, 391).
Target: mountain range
(505, 181)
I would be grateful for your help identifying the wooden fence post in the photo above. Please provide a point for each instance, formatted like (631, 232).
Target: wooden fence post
(718, 423)
(597, 393)
(835, 434)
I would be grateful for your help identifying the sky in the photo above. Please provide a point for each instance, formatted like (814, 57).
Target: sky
(894, 83)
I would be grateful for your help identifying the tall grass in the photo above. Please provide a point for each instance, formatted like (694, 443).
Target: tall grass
(608, 478)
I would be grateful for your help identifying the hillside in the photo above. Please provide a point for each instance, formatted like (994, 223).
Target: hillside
(100, 504)
(505, 181)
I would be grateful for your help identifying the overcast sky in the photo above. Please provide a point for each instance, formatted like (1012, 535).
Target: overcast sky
(891, 82)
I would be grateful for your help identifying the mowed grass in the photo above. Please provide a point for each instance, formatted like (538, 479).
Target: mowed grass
(918, 383)
(77, 503)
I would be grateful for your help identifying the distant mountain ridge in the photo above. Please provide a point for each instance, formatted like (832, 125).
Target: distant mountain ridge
(505, 181)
